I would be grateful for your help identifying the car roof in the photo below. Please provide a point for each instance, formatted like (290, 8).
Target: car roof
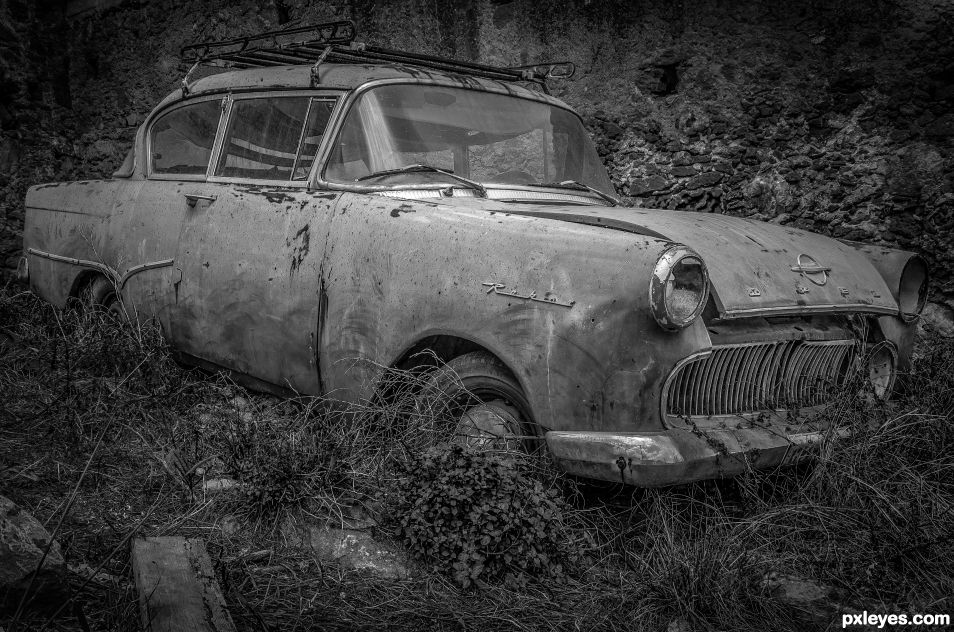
(349, 77)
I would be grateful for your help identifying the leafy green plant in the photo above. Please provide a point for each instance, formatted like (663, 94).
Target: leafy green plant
(481, 516)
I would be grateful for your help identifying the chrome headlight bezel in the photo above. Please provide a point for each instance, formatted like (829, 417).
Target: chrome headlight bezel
(913, 289)
(660, 287)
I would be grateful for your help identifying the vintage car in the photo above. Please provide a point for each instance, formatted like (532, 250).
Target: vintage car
(324, 210)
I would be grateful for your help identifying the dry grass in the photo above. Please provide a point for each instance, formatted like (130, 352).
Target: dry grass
(871, 518)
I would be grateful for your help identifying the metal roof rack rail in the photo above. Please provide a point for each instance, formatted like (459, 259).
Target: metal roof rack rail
(297, 45)
(333, 42)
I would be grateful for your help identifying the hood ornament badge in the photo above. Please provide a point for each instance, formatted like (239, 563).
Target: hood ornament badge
(810, 269)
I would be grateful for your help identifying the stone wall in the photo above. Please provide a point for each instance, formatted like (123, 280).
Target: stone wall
(835, 119)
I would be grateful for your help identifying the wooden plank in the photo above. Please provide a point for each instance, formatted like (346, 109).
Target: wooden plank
(177, 588)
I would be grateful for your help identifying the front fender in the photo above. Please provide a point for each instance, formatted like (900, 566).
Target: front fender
(565, 306)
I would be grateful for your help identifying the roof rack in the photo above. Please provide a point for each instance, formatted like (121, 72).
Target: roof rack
(333, 42)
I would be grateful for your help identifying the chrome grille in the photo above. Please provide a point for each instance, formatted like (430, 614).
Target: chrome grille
(752, 377)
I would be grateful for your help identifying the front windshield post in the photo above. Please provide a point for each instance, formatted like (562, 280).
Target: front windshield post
(461, 160)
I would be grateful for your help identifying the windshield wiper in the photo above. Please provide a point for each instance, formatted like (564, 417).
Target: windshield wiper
(426, 169)
(578, 186)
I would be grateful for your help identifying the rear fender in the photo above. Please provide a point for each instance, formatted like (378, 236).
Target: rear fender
(65, 235)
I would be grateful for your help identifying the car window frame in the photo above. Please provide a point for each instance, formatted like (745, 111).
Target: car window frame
(232, 97)
(348, 103)
(150, 171)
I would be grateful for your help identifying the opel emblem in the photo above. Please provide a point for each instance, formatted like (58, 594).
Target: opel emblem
(811, 270)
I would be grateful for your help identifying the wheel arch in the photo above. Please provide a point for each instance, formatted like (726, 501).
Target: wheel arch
(82, 280)
(444, 347)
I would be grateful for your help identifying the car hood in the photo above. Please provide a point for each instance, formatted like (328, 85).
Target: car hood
(755, 267)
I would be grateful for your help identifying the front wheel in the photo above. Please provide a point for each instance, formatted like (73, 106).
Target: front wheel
(485, 403)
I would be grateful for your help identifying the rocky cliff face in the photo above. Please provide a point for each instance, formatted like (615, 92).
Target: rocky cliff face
(835, 119)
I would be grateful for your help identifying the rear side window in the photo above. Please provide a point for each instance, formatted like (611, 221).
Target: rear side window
(181, 140)
(273, 138)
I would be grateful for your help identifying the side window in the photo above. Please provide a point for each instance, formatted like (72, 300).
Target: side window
(181, 140)
(273, 138)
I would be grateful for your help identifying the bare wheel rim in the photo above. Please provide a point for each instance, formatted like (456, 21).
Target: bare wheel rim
(493, 425)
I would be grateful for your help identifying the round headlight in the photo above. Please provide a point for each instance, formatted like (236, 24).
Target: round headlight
(679, 288)
(881, 373)
(912, 295)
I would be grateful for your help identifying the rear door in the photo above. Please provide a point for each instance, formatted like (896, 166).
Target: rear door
(252, 242)
(179, 145)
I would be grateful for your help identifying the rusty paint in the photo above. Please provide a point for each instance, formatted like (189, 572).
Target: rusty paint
(299, 246)
(404, 208)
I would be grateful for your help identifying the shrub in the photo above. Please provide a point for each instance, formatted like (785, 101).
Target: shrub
(284, 464)
(481, 516)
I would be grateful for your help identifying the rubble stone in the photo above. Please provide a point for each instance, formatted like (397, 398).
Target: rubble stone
(23, 541)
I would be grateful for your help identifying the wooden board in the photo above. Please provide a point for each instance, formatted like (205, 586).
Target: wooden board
(177, 588)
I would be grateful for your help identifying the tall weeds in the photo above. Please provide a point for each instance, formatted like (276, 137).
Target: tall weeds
(871, 517)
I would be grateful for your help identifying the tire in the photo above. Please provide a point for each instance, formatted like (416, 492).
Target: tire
(485, 404)
(100, 296)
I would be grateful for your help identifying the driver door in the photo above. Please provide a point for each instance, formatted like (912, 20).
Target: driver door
(251, 245)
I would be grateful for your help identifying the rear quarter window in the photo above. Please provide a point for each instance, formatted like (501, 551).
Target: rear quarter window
(181, 140)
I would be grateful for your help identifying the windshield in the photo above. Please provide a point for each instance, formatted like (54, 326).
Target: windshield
(487, 137)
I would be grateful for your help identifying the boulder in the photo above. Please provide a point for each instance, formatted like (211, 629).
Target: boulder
(683, 172)
(816, 602)
(358, 550)
(943, 126)
(707, 179)
(22, 543)
(351, 545)
(647, 185)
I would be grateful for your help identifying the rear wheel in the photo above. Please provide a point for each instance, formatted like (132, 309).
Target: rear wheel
(485, 403)
(100, 295)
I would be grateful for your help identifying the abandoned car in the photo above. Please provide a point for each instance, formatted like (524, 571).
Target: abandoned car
(324, 209)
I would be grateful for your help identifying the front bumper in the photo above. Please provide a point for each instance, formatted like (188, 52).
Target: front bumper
(675, 456)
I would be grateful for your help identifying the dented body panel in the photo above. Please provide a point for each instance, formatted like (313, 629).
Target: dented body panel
(598, 363)
(303, 287)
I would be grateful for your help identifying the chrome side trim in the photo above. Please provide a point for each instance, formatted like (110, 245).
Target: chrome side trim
(105, 269)
(807, 309)
(142, 267)
(119, 280)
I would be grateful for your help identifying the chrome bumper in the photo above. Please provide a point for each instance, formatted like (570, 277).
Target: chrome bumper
(675, 456)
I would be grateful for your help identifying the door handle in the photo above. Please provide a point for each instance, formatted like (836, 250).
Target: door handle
(193, 198)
